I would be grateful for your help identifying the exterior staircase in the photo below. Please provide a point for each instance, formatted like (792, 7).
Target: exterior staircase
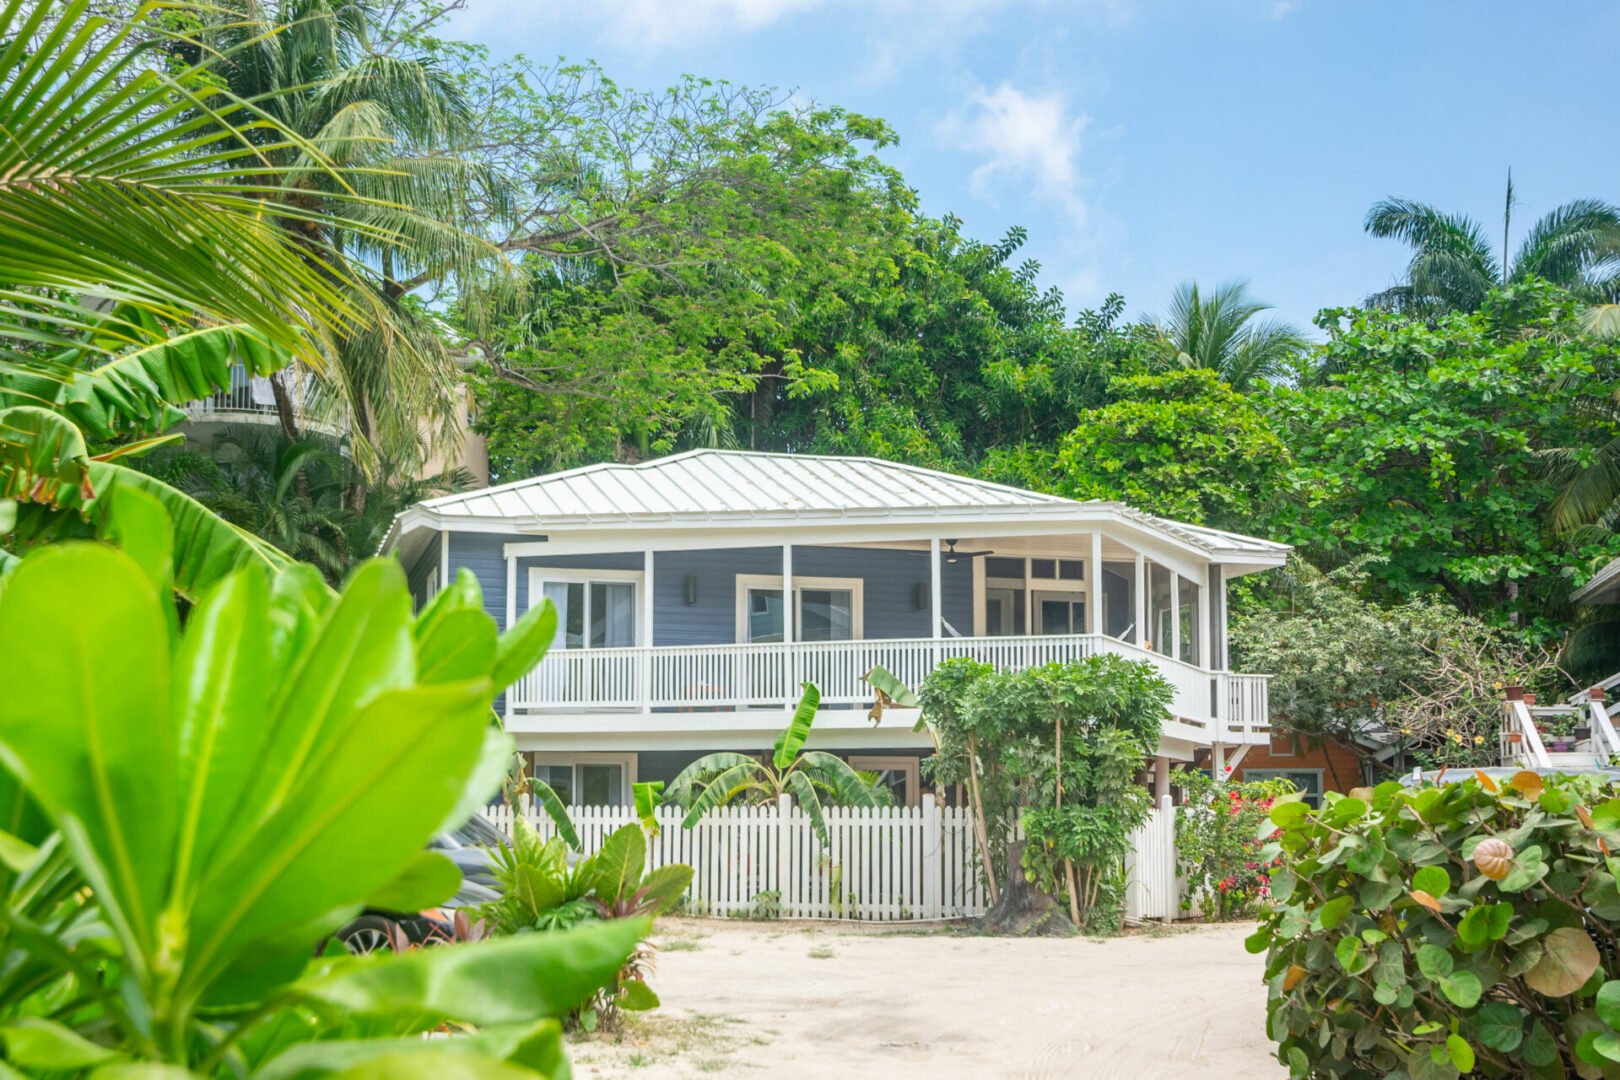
(1523, 745)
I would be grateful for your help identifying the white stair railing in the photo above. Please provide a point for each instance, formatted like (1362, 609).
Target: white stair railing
(1604, 738)
(1533, 745)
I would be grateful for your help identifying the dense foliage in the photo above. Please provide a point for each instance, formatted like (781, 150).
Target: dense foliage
(1469, 927)
(1218, 842)
(197, 798)
(1054, 749)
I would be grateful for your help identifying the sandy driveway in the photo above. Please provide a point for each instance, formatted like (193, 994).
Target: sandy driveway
(799, 1000)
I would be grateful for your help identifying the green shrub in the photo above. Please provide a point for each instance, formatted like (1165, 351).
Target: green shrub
(1425, 933)
(1218, 843)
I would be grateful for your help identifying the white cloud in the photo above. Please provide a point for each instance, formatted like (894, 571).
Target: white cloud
(1032, 138)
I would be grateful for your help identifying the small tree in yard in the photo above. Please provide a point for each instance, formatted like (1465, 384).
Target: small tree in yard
(1057, 749)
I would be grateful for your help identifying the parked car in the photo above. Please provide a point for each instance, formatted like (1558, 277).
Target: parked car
(468, 847)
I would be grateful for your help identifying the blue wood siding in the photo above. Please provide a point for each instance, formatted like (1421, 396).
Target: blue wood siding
(890, 580)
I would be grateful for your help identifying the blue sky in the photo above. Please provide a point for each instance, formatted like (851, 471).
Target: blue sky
(1145, 143)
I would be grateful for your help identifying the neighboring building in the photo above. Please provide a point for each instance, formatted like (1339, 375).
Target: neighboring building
(674, 638)
(250, 400)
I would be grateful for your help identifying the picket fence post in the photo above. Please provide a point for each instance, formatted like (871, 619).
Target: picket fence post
(933, 855)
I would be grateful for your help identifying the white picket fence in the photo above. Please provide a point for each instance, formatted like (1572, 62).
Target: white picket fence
(890, 864)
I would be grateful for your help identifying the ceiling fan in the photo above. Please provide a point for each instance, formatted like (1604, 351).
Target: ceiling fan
(951, 552)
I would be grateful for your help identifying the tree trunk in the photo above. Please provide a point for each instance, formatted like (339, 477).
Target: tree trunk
(1023, 910)
(289, 426)
(976, 811)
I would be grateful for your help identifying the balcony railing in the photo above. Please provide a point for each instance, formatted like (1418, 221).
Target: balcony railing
(251, 400)
(1232, 708)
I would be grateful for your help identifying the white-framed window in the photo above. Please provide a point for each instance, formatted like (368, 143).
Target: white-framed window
(825, 609)
(596, 609)
(430, 588)
(898, 772)
(587, 779)
(1308, 781)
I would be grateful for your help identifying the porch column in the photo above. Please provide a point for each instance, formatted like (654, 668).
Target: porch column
(1161, 777)
(1175, 614)
(1094, 592)
(444, 560)
(1204, 643)
(1141, 599)
(936, 613)
(646, 630)
(1217, 616)
(787, 625)
(511, 591)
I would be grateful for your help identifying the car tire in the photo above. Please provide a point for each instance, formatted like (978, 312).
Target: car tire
(366, 935)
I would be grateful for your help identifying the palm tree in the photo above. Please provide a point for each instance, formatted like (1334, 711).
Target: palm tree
(809, 776)
(1215, 332)
(391, 211)
(137, 265)
(1576, 245)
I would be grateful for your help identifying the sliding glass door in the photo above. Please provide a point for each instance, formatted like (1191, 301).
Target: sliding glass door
(594, 612)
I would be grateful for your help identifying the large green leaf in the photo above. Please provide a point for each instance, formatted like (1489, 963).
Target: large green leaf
(697, 773)
(846, 785)
(429, 880)
(89, 729)
(536, 1046)
(663, 886)
(136, 391)
(43, 455)
(723, 788)
(524, 644)
(485, 781)
(363, 647)
(221, 669)
(552, 803)
(507, 981)
(117, 182)
(460, 645)
(803, 791)
(619, 863)
(791, 741)
(44, 1044)
(351, 825)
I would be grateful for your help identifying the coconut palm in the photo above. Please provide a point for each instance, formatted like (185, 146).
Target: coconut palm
(385, 121)
(811, 777)
(1216, 331)
(137, 266)
(1576, 245)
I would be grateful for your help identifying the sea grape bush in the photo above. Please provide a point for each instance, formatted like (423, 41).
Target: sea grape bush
(1467, 927)
(1219, 841)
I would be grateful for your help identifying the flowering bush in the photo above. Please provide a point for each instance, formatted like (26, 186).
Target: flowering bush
(1218, 844)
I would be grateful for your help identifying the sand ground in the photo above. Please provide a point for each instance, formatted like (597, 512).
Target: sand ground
(813, 1001)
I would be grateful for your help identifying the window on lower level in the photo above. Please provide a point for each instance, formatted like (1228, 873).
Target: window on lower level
(1308, 781)
(587, 780)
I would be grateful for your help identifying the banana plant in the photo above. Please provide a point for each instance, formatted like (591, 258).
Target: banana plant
(811, 777)
(225, 789)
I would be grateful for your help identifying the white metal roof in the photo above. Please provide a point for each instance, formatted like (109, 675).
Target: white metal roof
(717, 487)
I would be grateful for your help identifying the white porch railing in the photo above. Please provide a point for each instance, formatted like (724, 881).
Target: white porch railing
(728, 677)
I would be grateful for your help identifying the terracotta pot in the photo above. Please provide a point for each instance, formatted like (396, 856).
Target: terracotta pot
(1514, 693)
(1529, 699)
(1595, 694)
(1515, 737)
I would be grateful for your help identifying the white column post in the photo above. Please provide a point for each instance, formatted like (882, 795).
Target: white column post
(1141, 600)
(511, 591)
(1203, 630)
(936, 613)
(1161, 777)
(646, 630)
(1175, 614)
(1217, 762)
(1094, 598)
(444, 560)
(787, 623)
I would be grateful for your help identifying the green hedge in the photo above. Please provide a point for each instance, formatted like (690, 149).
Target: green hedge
(1431, 932)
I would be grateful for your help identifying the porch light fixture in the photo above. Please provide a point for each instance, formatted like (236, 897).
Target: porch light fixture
(691, 588)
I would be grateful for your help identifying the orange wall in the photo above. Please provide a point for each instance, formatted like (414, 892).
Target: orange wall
(1328, 758)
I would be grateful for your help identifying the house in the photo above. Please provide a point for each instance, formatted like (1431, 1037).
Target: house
(675, 638)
